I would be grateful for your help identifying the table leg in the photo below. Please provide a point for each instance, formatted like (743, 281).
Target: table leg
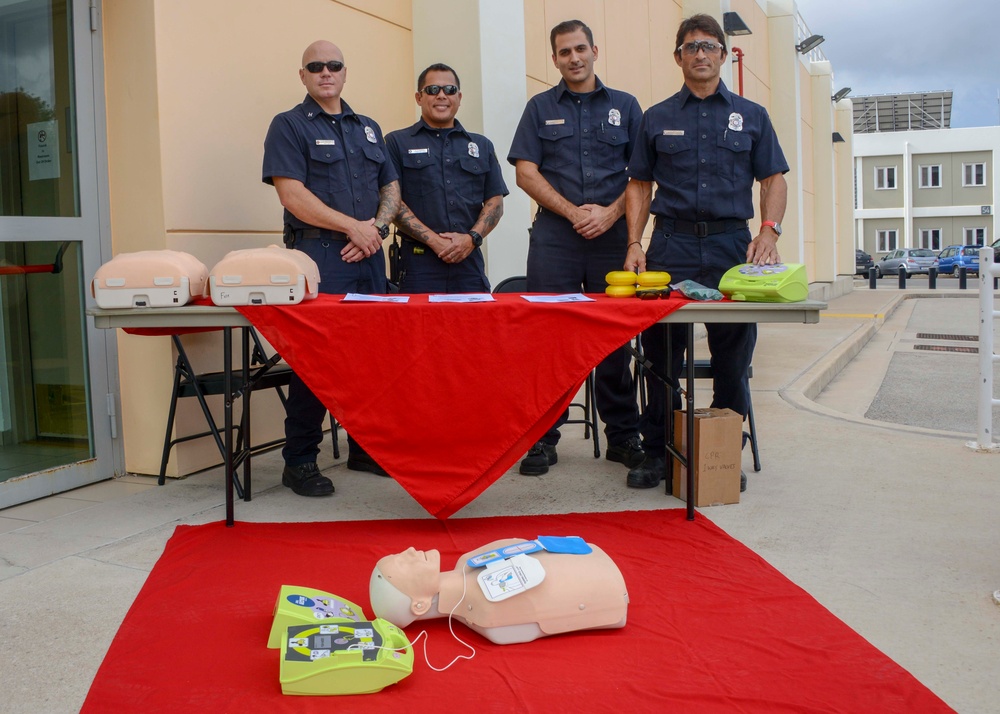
(227, 372)
(690, 453)
(245, 399)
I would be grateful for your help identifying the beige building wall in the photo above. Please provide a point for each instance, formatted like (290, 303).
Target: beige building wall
(192, 87)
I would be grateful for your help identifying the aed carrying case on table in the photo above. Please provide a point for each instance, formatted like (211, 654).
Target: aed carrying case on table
(264, 276)
(150, 278)
(781, 282)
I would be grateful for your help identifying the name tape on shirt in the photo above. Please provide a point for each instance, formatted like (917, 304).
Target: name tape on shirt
(554, 122)
(418, 151)
(325, 142)
(673, 132)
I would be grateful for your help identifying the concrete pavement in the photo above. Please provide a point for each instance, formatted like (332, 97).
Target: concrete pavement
(869, 499)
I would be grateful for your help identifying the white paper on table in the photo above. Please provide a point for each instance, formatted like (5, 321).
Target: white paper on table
(569, 297)
(461, 297)
(358, 297)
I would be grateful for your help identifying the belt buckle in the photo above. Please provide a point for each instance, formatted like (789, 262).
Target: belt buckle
(701, 229)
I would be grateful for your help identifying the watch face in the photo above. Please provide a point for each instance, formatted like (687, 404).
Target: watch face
(383, 232)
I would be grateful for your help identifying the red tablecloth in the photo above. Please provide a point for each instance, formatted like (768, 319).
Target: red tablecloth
(447, 397)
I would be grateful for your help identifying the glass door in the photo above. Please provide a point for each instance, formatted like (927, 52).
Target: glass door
(55, 433)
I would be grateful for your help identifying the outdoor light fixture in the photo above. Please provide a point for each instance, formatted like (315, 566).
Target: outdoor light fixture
(733, 24)
(841, 94)
(810, 43)
(838, 138)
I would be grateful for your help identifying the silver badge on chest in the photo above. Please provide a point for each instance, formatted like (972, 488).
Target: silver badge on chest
(615, 117)
(736, 122)
(370, 135)
(473, 150)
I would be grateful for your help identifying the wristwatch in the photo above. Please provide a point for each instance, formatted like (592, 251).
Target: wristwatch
(383, 230)
(477, 239)
(773, 225)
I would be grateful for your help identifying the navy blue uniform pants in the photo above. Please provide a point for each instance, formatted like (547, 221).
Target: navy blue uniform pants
(304, 413)
(560, 260)
(704, 260)
(421, 271)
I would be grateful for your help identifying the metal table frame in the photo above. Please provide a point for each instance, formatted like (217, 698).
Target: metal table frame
(227, 318)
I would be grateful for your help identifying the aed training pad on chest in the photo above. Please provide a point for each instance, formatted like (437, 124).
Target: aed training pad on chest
(781, 282)
(302, 606)
(343, 658)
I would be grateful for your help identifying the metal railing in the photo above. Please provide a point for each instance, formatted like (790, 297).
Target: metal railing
(988, 270)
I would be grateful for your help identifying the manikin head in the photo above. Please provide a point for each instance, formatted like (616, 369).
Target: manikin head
(404, 586)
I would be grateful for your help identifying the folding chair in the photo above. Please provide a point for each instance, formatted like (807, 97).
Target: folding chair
(702, 370)
(266, 373)
(519, 284)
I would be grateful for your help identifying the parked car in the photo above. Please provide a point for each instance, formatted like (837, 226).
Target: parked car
(912, 260)
(957, 256)
(862, 262)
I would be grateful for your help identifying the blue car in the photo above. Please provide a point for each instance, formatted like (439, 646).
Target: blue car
(959, 256)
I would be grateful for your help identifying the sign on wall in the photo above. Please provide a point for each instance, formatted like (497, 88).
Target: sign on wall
(43, 150)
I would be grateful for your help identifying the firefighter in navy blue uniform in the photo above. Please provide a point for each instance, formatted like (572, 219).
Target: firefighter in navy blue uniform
(452, 192)
(703, 147)
(570, 151)
(340, 193)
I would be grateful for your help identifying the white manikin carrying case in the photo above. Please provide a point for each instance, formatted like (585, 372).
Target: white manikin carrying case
(150, 278)
(264, 276)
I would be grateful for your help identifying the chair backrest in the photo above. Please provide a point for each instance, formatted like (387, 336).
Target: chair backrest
(514, 284)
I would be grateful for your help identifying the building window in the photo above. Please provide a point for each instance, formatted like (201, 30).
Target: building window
(973, 174)
(975, 236)
(930, 238)
(930, 176)
(885, 177)
(885, 241)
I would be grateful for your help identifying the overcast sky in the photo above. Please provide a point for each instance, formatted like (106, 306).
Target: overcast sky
(898, 46)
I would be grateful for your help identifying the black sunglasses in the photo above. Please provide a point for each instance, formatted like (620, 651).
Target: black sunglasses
(433, 89)
(317, 67)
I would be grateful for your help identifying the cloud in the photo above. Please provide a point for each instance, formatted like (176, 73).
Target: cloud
(897, 46)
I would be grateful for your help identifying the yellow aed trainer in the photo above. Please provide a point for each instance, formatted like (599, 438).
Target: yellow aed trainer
(344, 658)
(328, 645)
(781, 282)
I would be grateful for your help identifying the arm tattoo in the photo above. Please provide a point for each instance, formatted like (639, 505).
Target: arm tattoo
(388, 203)
(491, 213)
(411, 225)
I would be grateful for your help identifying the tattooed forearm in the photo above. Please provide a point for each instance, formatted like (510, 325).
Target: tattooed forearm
(490, 215)
(411, 225)
(388, 203)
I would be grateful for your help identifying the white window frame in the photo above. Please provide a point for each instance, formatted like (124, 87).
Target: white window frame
(887, 240)
(885, 178)
(972, 231)
(966, 174)
(930, 176)
(930, 238)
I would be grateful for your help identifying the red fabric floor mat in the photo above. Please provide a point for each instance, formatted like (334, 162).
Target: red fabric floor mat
(711, 627)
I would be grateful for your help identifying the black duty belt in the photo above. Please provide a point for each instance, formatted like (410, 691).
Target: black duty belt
(319, 233)
(699, 228)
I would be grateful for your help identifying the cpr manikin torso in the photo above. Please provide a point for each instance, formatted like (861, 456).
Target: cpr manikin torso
(579, 592)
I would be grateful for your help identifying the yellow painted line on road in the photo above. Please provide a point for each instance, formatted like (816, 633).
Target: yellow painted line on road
(866, 316)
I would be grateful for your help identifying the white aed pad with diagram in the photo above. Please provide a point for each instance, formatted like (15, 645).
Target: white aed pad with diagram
(150, 278)
(264, 276)
(780, 282)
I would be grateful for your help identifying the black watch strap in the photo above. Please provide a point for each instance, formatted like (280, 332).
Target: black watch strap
(477, 239)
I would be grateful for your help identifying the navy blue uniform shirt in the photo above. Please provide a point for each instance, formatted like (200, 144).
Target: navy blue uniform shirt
(704, 155)
(342, 160)
(580, 142)
(445, 174)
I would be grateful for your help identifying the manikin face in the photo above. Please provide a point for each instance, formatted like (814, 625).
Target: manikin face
(403, 586)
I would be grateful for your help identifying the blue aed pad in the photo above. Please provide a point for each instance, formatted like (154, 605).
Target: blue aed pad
(553, 544)
(781, 282)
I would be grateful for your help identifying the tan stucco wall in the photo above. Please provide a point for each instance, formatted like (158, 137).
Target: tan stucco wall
(192, 87)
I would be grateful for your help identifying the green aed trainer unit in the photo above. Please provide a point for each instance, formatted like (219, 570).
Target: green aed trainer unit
(303, 606)
(344, 657)
(780, 282)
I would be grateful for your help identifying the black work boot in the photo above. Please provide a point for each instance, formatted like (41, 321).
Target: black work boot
(539, 458)
(306, 480)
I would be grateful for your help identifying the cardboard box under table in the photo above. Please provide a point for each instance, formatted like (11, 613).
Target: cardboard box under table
(718, 438)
